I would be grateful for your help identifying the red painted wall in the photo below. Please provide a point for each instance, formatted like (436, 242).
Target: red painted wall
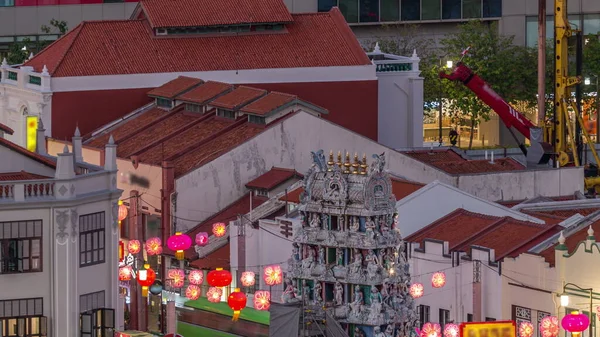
(352, 105)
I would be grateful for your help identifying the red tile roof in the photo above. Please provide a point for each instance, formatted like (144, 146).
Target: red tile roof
(205, 92)
(567, 213)
(273, 178)
(6, 129)
(128, 47)
(32, 155)
(220, 258)
(293, 196)
(175, 87)
(242, 95)
(452, 163)
(268, 103)
(571, 242)
(199, 13)
(512, 203)
(434, 156)
(9, 176)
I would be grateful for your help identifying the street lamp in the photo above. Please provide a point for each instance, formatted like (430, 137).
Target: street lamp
(564, 302)
(449, 64)
(588, 81)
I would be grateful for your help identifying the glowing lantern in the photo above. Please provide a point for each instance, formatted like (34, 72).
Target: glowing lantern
(178, 243)
(121, 251)
(177, 277)
(451, 330)
(133, 246)
(549, 326)
(219, 229)
(125, 273)
(262, 300)
(237, 301)
(273, 275)
(145, 278)
(122, 211)
(247, 279)
(575, 323)
(438, 279)
(196, 277)
(154, 246)
(525, 329)
(202, 239)
(192, 292)
(416, 290)
(431, 330)
(218, 278)
(214, 294)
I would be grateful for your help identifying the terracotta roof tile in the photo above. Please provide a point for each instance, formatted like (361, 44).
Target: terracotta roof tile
(273, 178)
(434, 156)
(9, 176)
(128, 47)
(220, 258)
(175, 87)
(451, 162)
(293, 196)
(571, 241)
(39, 158)
(205, 92)
(567, 213)
(198, 13)
(242, 95)
(268, 103)
(6, 129)
(548, 218)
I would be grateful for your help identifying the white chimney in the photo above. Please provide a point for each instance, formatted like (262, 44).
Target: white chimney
(77, 146)
(110, 155)
(40, 141)
(64, 165)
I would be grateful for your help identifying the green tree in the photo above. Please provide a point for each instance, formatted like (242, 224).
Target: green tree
(19, 51)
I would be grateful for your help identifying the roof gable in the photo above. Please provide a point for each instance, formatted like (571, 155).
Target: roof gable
(240, 96)
(175, 87)
(273, 178)
(205, 92)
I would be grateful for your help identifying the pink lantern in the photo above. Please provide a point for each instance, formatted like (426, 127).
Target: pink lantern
(202, 239)
(154, 246)
(451, 330)
(525, 329)
(178, 243)
(438, 279)
(125, 273)
(219, 229)
(431, 330)
(575, 323)
(262, 300)
(214, 294)
(416, 290)
(549, 326)
(247, 279)
(177, 277)
(196, 277)
(193, 292)
(133, 247)
(273, 275)
(598, 311)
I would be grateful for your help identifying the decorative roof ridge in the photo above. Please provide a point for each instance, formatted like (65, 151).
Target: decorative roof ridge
(6, 129)
(560, 205)
(551, 216)
(582, 224)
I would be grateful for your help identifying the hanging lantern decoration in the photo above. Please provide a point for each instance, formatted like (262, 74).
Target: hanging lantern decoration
(219, 229)
(416, 290)
(438, 279)
(218, 278)
(156, 288)
(262, 300)
(431, 330)
(247, 279)
(125, 273)
(549, 326)
(121, 251)
(273, 275)
(177, 277)
(196, 277)
(122, 211)
(178, 243)
(451, 330)
(598, 311)
(133, 247)
(214, 294)
(237, 301)
(145, 278)
(525, 329)
(575, 323)
(154, 246)
(193, 292)
(202, 239)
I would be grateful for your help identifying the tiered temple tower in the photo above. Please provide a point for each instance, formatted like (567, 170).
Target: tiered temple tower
(348, 255)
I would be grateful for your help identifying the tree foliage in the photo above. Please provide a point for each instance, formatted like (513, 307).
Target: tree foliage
(19, 51)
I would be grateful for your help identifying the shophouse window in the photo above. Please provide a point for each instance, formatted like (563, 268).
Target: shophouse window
(20, 246)
(22, 318)
(97, 323)
(7, 3)
(91, 239)
(423, 313)
(444, 317)
(490, 319)
(91, 301)
(469, 317)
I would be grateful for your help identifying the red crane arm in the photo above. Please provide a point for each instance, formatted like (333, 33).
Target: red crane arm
(509, 115)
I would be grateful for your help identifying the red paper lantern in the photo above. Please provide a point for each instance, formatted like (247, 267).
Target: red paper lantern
(121, 251)
(196, 277)
(134, 246)
(438, 279)
(525, 329)
(549, 326)
(219, 229)
(575, 323)
(193, 292)
(416, 290)
(451, 330)
(146, 278)
(431, 330)
(262, 300)
(202, 239)
(122, 211)
(247, 279)
(273, 275)
(218, 278)
(237, 301)
(154, 246)
(178, 243)
(177, 277)
(214, 294)
(125, 273)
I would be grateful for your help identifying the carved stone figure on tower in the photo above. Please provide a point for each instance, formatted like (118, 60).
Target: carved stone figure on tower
(355, 224)
(378, 165)
(319, 161)
(315, 221)
(318, 299)
(377, 332)
(305, 292)
(309, 260)
(339, 293)
(321, 256)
